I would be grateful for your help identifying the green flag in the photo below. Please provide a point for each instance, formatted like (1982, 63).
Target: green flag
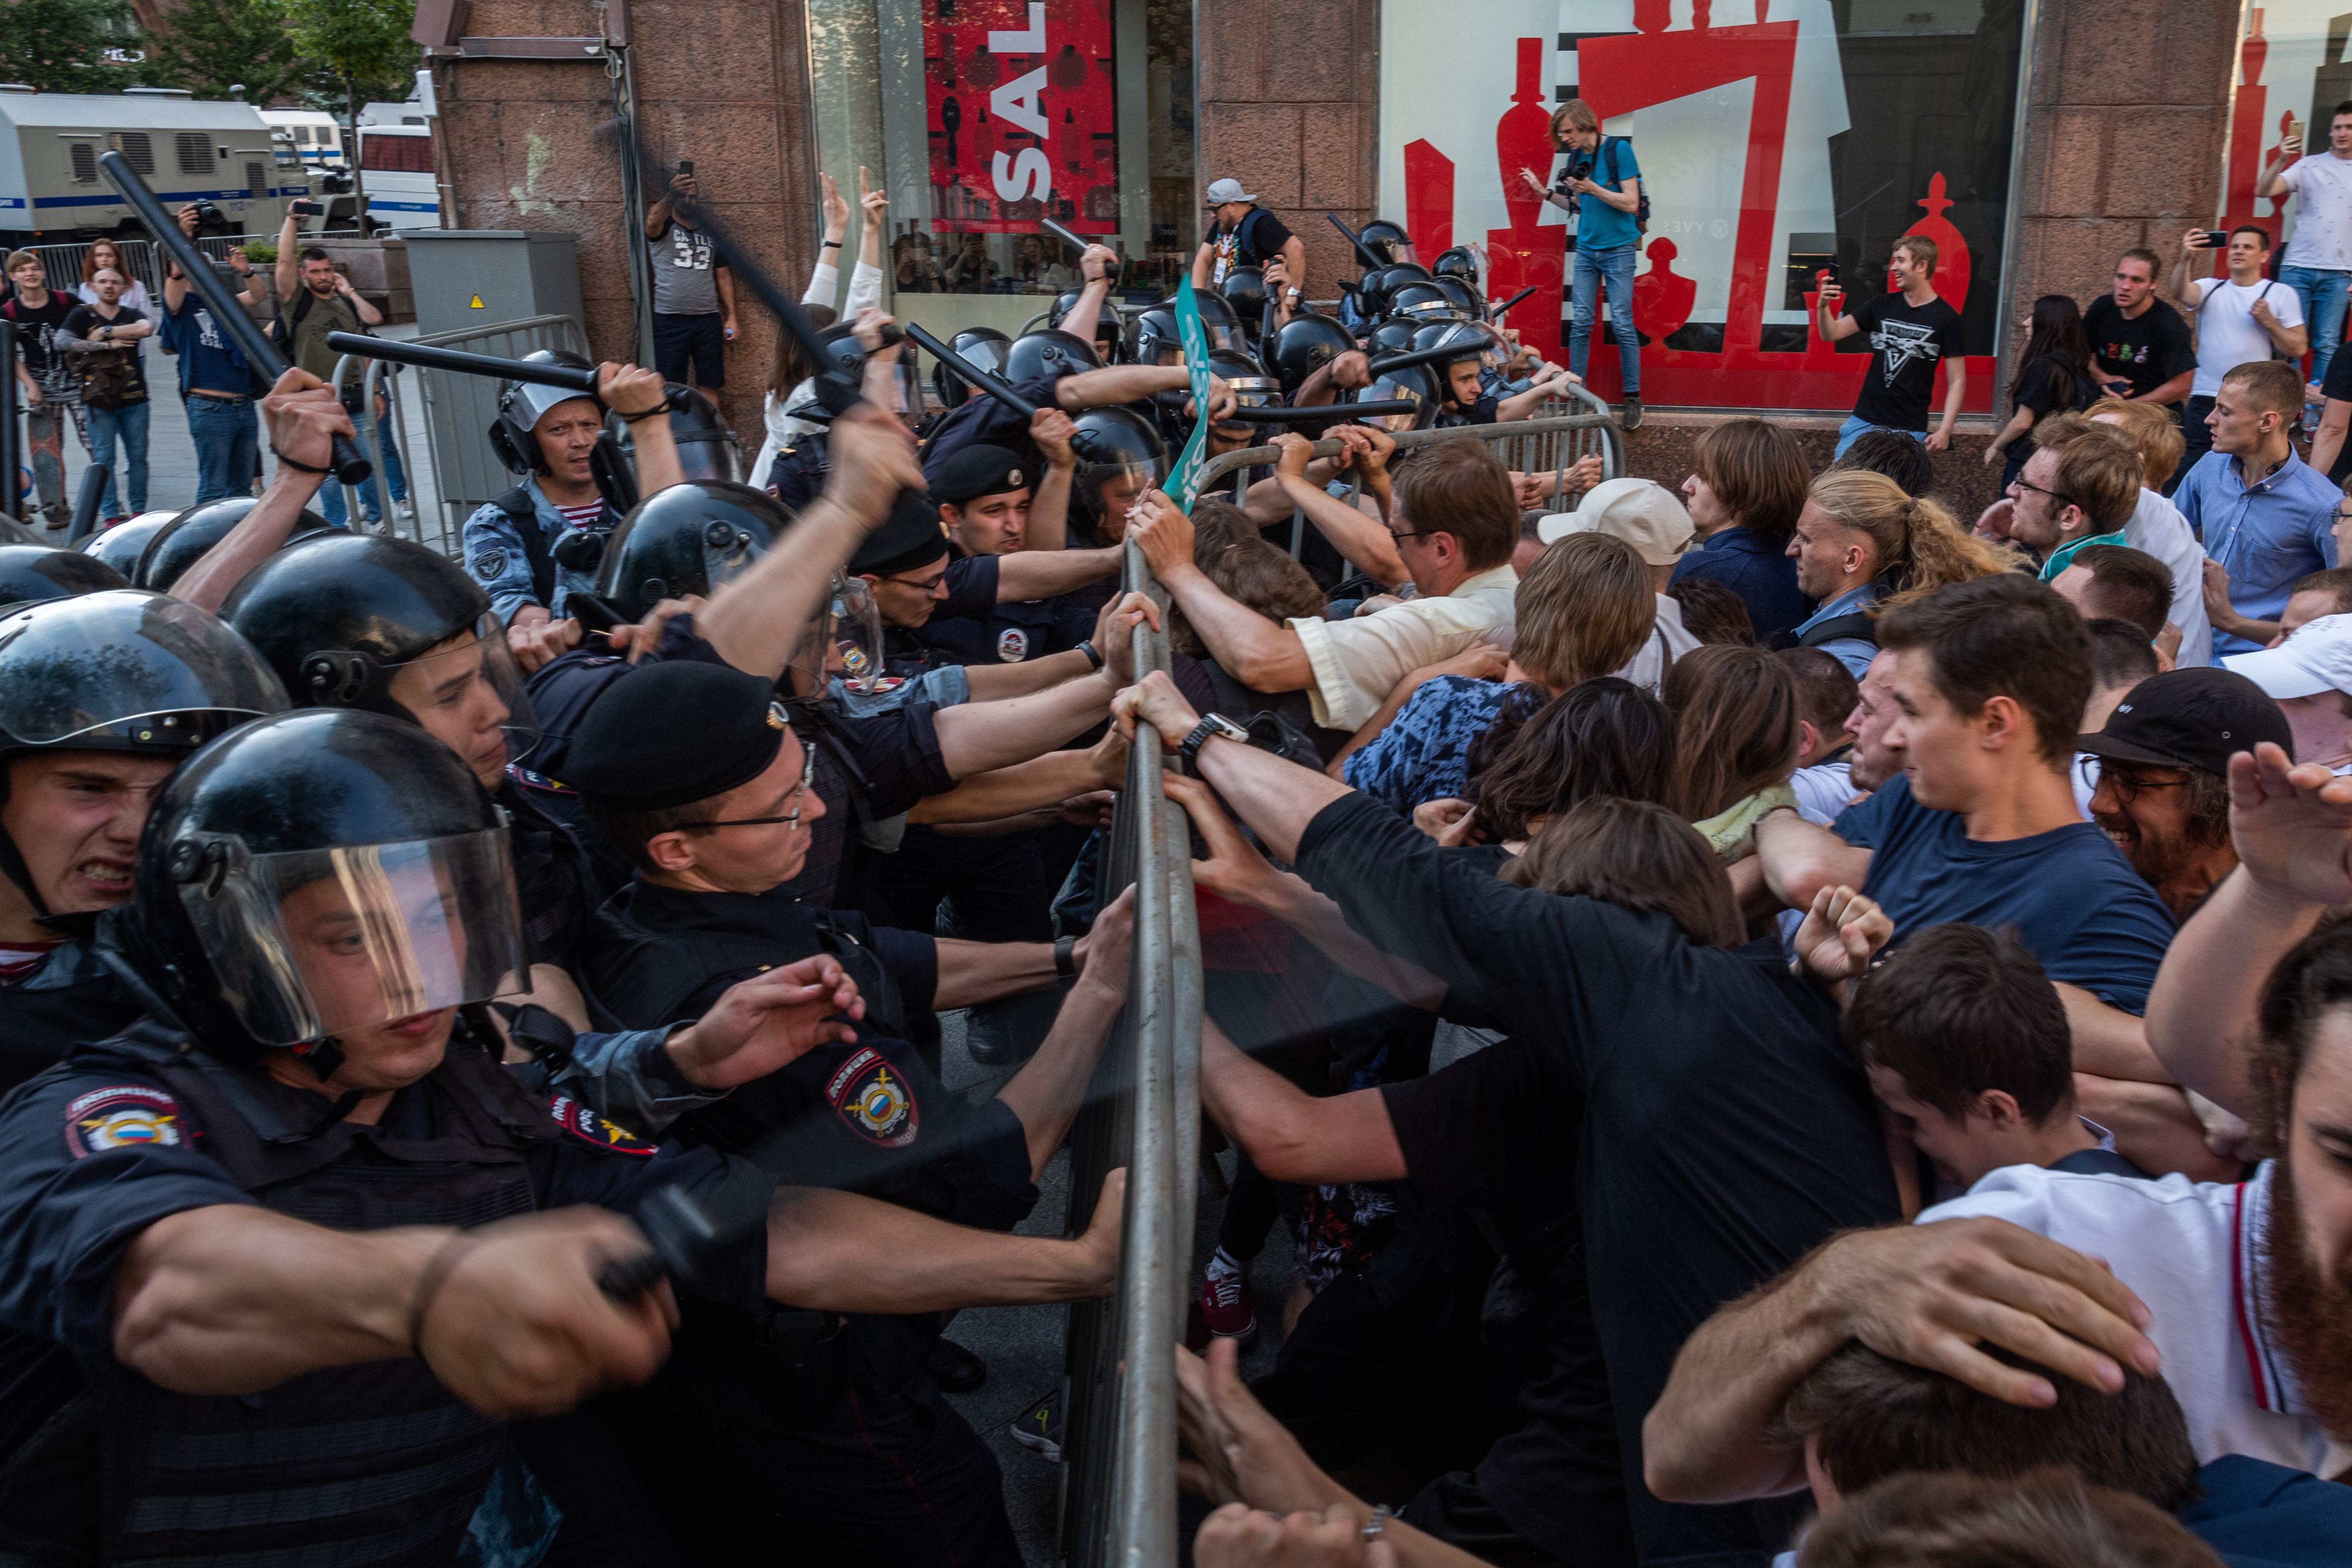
(1183, 480)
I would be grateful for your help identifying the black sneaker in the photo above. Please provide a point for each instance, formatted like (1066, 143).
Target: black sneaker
(958, 1370)
(1039, 1428)
(1630, 419)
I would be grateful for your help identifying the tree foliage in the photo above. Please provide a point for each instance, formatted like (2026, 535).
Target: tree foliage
(59, 45)
(211, 46)
(355, 51)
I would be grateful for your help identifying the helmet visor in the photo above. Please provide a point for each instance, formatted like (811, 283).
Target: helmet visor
(160, 674)
(468, 691)
(851, 636)
(313, 943)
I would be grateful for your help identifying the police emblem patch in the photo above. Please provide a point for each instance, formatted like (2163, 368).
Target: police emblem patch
(877, 1104)
(590, 1128)
(121, 1116)
(489, 564)
(1012, 645)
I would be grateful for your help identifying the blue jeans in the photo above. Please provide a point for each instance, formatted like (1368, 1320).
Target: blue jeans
(226, 432)
(330, 494)
(2323, 294)
(1592, 269)
(1852, 430)
(130, 421)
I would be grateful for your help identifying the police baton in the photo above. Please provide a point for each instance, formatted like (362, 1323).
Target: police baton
(958, 365)
(1334, 413)
(1065, 236)
(684, 1241)
(85, 512)
(1381, 367)
(1499, 311)
(581, 379)
(1364, 252)
(351, 465)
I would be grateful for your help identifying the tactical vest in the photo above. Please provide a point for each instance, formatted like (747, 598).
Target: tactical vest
(536, 548)
(40, 1021)
(377, 1463)
(645, 978)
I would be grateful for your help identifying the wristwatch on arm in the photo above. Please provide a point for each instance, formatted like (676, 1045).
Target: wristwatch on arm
(1212, 725)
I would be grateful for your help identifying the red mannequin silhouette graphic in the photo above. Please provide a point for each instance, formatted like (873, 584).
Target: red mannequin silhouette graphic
(1530, 251)
(1951, 280)
(1429, 196)
(1662, 297)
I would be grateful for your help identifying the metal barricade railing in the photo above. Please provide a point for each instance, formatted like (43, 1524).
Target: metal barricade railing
(458, 413)
(1118, 1499)
(1552, 445)
(384, 384)
(61, 263)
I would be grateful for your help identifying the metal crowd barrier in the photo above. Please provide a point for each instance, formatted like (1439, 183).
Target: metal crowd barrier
(382, 381)
(1545, 445)
(61, 263)
(1118, 1497)
(458, 413)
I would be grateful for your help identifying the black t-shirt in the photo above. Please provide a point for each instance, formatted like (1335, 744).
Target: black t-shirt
(2337, 387)
(1263, 235)
(2146, 352)
(1907, 343)
(84, 322)
(2050, 383)
(37, 331)
(1716, 1126)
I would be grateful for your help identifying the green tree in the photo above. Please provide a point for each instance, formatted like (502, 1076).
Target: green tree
(59, 45)
(211, 46)
(358, 50)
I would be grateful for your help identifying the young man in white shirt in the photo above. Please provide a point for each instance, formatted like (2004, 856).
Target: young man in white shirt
(1650, 517)
(2157, 526)
(2319, 256)
(2309, 676)
(2239, 320)
(1455, 525)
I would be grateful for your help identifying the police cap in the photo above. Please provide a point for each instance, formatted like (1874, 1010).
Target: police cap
(711, 726)
(910, 537)
(979, 470)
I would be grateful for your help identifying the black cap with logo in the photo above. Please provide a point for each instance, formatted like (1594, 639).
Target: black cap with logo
(2189, 718)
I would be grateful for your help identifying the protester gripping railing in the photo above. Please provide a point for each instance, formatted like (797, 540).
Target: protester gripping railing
(1119, 1502)
(1539, 453)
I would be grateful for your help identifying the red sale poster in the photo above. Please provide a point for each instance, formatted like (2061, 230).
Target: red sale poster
(1020, 104)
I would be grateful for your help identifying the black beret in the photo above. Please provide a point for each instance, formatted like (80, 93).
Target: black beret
(673, 733)
(913, 535)
(976, 471)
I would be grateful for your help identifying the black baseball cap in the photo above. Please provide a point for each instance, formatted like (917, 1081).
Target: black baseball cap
(2189, 718)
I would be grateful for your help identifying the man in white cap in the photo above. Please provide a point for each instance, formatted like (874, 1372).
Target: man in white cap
(1247, 235)
(2310, 677)
(1650, 517)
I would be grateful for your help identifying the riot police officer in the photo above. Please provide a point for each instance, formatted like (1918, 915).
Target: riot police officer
(534, 545)
(101, 695)
(293, 1226)
(989, 507)
(715, 836)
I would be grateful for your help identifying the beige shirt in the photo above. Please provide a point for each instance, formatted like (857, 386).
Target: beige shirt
(1358, 662)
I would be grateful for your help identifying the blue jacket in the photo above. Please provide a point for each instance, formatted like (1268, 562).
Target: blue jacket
(1765, 579)
(500, 559)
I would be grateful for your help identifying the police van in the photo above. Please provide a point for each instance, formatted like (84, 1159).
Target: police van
(316, 138)
(52, 192)
(395, 153)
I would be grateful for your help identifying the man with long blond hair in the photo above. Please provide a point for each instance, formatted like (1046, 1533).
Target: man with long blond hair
(1860, 544)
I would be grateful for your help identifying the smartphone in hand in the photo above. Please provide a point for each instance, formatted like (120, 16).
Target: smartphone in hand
(304, 209)
(2208, 239)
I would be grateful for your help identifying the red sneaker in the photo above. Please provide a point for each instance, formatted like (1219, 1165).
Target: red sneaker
(1226, 1307)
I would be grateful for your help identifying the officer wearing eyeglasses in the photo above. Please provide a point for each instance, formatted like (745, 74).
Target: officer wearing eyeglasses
(717, 835)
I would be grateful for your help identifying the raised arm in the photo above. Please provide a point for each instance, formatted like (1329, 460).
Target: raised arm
(304, 415)
(2292, 830)
(1133, 383)
(1365, 543)
(1251, 648)
(1049, 507)
(287, 268)
(1098, 265)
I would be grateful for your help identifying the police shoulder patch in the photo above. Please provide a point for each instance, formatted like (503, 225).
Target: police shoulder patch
(876, 1102)
(121, 1116)
(586, 1125)
(489, 564)
(1012, 645)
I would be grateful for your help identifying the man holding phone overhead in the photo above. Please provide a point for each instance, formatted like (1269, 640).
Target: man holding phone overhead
(1911, 327)
(2239, 320)
(2318, 265)
(694, 295)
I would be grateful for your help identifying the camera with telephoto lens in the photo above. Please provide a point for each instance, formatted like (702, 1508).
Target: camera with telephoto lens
(208, 215)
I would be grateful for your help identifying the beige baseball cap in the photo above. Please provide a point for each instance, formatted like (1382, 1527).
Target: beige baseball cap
(1642, 512)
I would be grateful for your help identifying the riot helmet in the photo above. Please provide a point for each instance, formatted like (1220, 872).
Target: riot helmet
(1121, 456)
(319, 874)
(181, 542)
(1472, 339)
(1391, 336)
(1385, 240)
(1305, 344)
(685, 539)
(1048, 352)
(1109, 339)
(980, 347)
(521, 405)
(844, 353)
(1218, 324)
(1464, 295)
(1422, 303)
(1411, 383)
(388, 626)
(706, 448)
(1252, 387)
(1244, 291)
(1459, 263)
(120, 546)
(43, 571)
(1152, 338)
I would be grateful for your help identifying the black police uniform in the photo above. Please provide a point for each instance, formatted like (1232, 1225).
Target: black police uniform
(855, 1449)
(70, 996)
(376, 1463)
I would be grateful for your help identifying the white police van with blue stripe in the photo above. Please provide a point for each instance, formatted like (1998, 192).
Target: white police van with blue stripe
(51, 191)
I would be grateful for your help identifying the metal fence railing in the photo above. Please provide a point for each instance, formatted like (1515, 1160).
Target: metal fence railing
(1118, 1501)
(459, 412)
(1550, 446)
(61, 263)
